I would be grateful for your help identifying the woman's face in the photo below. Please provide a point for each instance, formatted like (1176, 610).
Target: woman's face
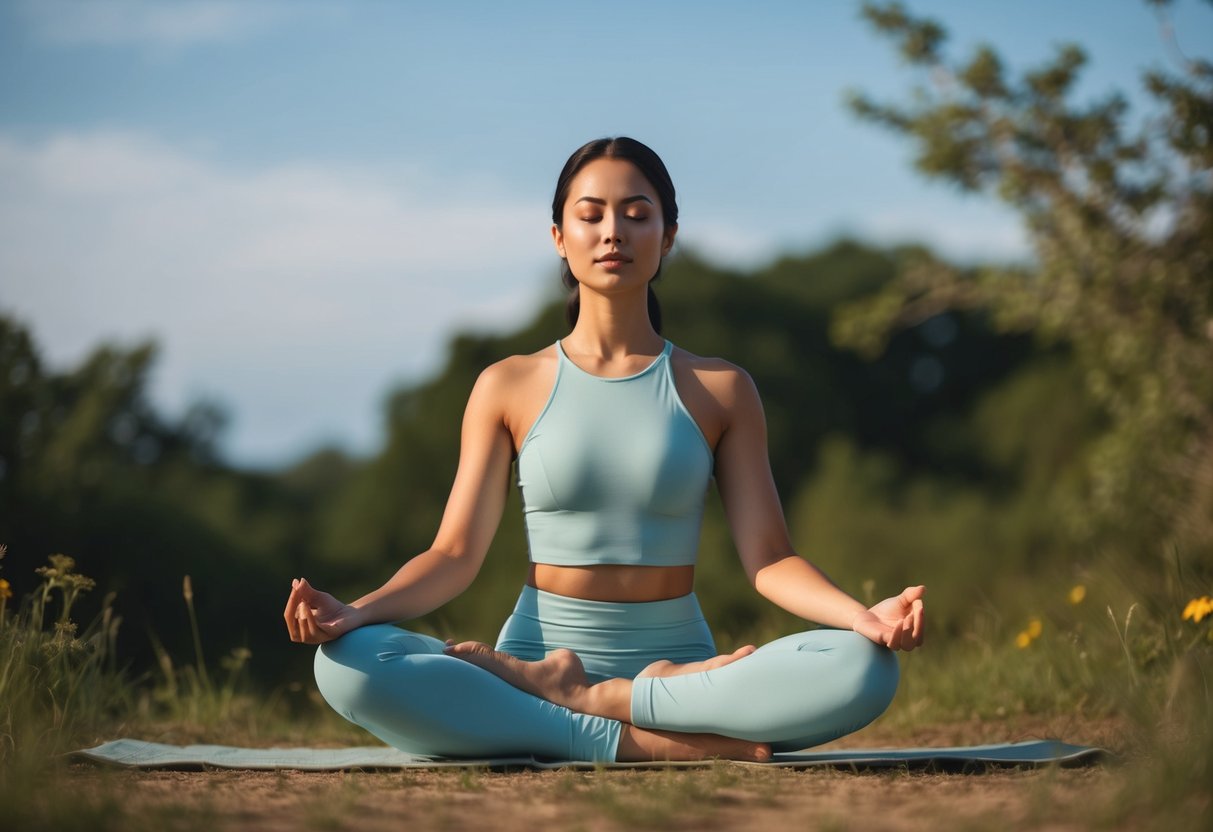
(612, 233)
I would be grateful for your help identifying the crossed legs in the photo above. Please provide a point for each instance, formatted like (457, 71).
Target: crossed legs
(798, 691)
(561, 678)
(399, 686)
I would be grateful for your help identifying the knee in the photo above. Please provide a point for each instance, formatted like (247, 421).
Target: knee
(333, 679)
(347, 668)
(877, 674)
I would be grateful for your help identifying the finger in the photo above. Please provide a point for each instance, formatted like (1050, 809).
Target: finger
(287, 612)
(290, 614)
(918, 617)
(893, 638)
(913, 593)
(301, 622)
(315, 634)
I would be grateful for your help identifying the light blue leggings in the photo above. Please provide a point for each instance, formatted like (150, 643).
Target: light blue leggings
(796, 692)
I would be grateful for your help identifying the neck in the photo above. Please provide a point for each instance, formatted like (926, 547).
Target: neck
(614, 326)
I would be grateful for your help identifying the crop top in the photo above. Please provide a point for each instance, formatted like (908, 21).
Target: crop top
(614, 470)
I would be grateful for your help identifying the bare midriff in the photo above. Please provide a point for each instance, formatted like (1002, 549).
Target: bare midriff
(611, 582)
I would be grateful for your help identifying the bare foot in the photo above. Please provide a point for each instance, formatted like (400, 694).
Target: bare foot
(664, 667)
(643, 745)
(559, 677)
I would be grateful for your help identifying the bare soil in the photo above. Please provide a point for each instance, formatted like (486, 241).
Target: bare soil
(719, 796)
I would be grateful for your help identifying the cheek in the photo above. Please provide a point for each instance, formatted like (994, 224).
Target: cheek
(654, 239)
(580, 238)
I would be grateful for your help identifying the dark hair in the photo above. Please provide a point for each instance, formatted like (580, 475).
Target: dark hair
(651, 167)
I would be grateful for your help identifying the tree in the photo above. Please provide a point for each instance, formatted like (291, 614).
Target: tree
(1120, 218)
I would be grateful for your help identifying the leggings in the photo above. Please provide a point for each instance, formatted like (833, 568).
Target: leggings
(795, 692)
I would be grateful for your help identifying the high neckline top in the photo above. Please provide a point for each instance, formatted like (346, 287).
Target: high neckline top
(614, 470)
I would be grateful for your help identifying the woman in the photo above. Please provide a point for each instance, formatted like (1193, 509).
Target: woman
(616, 434)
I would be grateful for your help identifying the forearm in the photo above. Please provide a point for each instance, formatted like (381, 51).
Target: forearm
(423, 584)
(802, 589)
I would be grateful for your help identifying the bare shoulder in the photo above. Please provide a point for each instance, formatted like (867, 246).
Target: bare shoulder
(719, 394)
(519, 370)
(726, 383)
(515, 389)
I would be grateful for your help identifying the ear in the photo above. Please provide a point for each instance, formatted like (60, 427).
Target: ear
(558, 240)
(667, 238)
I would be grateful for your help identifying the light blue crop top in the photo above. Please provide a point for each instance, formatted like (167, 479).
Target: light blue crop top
(614, 470)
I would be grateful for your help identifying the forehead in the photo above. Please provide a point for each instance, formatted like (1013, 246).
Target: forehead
(610, 179)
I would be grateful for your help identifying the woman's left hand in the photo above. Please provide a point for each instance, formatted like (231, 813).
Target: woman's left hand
(896, 623)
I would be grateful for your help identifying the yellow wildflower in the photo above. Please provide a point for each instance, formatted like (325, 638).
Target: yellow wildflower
(1077, 593)
(1023, 640)
(1035, 627)
(6, 591)
(1198, 608)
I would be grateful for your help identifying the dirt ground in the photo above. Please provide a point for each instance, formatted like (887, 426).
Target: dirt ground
(724, 796)
(719, 796)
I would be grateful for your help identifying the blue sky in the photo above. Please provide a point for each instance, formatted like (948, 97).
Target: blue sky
(300, 201)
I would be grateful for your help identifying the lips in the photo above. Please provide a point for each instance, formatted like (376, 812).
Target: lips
(613, 258)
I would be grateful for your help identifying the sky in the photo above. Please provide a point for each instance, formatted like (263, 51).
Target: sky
(300, 201)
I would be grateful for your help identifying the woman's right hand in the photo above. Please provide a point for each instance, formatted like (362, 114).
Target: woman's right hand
(314, 617)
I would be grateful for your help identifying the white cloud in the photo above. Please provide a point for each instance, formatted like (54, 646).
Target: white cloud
(293, 294)
(155, 23)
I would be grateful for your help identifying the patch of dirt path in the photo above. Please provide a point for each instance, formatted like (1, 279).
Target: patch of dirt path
(724, 796)
(721, 796)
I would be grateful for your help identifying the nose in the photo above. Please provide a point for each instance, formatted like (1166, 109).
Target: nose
(610, 230)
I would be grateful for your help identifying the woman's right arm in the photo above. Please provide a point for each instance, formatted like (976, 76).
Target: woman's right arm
(447, 568)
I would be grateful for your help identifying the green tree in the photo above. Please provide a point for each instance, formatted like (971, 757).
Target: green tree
(89, 467)
(1120, 218)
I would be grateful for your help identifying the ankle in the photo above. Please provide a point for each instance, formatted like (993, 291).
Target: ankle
(611, 699)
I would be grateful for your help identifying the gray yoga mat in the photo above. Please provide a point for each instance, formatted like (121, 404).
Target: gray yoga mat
(139, 754)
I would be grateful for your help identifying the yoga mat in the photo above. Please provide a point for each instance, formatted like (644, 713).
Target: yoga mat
(133, 753)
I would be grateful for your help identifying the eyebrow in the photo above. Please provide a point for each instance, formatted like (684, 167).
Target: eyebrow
(627, 201)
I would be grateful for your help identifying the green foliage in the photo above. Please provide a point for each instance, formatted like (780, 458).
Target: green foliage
(1113, 645)
(61, 686)
(57, 683)
(1120, 221)
(349, 524)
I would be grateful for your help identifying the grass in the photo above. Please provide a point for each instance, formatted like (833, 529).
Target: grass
(1118, 652)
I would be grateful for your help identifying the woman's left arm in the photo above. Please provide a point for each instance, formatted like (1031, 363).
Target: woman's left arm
(751, 504)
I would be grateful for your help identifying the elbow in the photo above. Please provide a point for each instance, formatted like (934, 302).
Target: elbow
(763, 572)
